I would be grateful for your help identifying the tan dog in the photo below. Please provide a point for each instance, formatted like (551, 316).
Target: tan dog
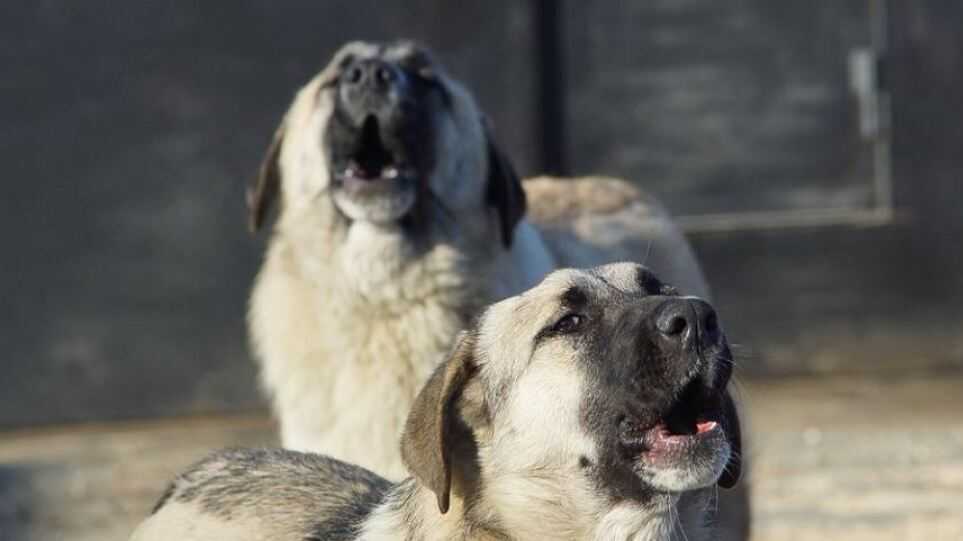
(400, 218)
(593, 406)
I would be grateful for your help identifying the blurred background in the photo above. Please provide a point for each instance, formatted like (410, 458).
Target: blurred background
(810, 148)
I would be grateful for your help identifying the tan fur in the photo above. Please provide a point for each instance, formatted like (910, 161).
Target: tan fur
(675, 519)
(183, 522)
(499, 420)
(552, 201)
(347, 325)
(347, 322)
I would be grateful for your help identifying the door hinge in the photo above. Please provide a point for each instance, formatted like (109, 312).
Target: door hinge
(867, 83)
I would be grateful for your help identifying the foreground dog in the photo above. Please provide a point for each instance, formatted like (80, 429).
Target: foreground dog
(593, 406)
(400, 219)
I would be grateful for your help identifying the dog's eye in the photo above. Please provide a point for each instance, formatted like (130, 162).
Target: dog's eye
(569, 323)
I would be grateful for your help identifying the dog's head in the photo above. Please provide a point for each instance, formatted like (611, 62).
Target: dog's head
(603, 382)
(386, 136)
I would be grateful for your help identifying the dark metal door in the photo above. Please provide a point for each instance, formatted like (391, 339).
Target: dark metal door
(782, 136)
(823, 198)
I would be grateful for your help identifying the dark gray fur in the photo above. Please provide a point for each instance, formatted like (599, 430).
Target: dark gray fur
(332, 497)
(639, 369)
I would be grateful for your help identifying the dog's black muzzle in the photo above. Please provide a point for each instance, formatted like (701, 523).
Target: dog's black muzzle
(372, 87)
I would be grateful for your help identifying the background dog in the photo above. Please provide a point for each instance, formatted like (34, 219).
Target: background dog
(400, 218)
(593, 406)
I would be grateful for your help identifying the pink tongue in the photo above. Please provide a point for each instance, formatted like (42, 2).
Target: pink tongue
(705, 426)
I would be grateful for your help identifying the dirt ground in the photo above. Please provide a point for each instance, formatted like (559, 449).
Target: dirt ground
(840, 458)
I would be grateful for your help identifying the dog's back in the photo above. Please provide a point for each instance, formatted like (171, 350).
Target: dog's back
(257, 494)
(587, 221)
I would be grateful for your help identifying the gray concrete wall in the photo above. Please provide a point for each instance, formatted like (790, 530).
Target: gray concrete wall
(128, 132)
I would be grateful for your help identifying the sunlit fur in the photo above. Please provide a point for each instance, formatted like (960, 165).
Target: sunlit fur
(347, 319)
(516, 476)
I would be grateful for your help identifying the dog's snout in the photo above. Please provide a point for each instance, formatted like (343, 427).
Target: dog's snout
(370, 74)
(371, 86)
(688, 322)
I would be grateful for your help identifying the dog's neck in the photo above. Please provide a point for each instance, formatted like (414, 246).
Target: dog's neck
(410, 512)
(507, 508)
(334, 302)
(388, 264)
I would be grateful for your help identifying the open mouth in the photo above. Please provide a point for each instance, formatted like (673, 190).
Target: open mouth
(372, 161)
(691, 423)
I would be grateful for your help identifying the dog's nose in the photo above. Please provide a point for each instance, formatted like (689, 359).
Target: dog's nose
(371, 86)
(370, 74)
(688, 322)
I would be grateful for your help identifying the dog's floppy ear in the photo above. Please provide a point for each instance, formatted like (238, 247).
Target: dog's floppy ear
(730, 423)
(262, 195)
(427, 442)
(504, 191)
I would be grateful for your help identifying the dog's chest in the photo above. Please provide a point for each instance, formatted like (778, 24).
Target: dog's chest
(347, 336)
(371, 368)
(400, 332)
